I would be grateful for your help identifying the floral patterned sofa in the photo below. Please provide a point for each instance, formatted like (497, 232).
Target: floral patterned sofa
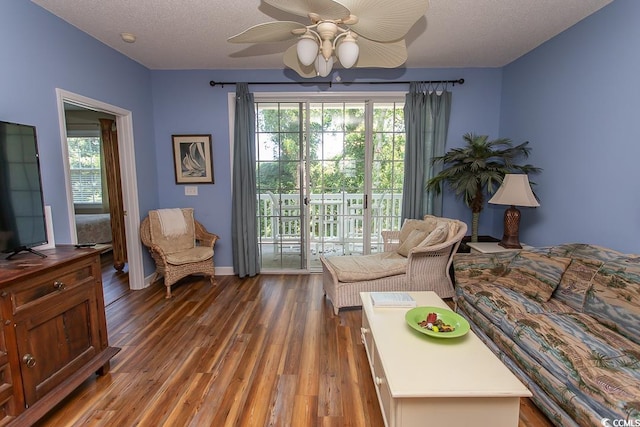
(566, 320)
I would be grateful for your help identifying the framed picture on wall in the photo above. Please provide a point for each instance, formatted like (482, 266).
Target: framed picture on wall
(193, 159)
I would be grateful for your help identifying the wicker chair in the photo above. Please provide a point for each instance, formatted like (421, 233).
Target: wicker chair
(174, 261)
(426, 269)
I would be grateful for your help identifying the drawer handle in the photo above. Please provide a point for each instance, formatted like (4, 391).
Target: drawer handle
(59, 286)
(379, 381)
(29, 360)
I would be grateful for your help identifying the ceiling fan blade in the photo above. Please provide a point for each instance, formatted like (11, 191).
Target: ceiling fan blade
(291, 61)
(384, 20)
(327, 9)
(276, 31)
(381, 55)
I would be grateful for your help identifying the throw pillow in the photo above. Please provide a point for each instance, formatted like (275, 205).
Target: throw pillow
(533, 274)
(453, 230)
(576, 282)
(412, 240)
(438, 235)
(613, 297)
(416, 224)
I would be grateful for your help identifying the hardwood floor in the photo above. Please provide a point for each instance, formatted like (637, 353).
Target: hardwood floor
(257, 351)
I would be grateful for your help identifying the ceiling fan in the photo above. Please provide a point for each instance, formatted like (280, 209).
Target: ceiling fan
(358, 33)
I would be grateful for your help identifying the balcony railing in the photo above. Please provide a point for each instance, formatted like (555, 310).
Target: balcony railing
(334, 217)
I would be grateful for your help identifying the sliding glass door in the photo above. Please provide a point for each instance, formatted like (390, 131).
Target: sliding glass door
(329, 177)
(280, 178)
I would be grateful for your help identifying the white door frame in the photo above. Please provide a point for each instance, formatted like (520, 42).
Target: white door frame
(124, 125)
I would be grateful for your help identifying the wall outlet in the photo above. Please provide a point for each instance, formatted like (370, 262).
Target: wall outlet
(190, 190)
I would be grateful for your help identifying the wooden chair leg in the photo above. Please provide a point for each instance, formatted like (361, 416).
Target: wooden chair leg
(168, 295)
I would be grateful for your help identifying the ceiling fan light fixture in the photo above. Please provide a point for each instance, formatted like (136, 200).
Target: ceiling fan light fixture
(348, 51)
(353, 33)
(323, 66)
(307, 49)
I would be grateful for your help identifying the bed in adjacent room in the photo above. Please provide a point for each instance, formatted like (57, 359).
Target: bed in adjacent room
(93, 228)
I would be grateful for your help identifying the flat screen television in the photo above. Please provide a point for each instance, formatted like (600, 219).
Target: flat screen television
(22, 219)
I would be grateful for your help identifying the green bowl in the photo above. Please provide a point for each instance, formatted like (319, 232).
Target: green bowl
(418, 314)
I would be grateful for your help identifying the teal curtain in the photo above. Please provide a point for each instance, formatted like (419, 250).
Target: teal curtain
(426, 117)
(244, 230)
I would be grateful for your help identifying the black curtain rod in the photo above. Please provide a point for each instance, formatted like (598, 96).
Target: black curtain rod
(453, 82)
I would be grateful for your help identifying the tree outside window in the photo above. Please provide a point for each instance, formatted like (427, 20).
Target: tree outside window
(85, 167)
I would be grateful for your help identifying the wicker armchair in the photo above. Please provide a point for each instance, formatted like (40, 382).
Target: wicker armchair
(174, 260)
(426, 268)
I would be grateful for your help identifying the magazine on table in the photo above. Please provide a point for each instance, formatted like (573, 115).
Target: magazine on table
(392, 299)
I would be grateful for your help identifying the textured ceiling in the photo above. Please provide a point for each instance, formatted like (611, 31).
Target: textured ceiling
(192, 34)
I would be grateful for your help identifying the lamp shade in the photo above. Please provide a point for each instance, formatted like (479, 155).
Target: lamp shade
(307, 49)
(348, 51)
(516, 191)
(323, 67)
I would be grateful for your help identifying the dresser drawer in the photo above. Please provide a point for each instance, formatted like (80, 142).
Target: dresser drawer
(27, 293)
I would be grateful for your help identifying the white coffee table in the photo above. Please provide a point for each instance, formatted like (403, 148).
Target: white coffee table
(422, 380)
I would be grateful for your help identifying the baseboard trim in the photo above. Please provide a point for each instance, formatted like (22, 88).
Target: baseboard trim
(224, 271)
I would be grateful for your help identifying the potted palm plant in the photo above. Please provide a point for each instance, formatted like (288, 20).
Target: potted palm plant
(478, 168)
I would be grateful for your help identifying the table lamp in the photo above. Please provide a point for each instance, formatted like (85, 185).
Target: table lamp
(515, 191)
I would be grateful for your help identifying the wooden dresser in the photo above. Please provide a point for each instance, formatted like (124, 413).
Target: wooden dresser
(54, 330)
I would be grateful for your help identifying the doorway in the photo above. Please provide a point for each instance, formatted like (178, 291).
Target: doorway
(329, 178)
(126, 157)
(87, 168)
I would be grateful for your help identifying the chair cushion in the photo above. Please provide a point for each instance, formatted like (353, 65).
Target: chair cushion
(189, 256)
(368, 267)
(172, 244)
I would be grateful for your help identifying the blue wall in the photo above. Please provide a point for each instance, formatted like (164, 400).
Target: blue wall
(41, 53)
(185, 103)
(577, 100)
(574, 98)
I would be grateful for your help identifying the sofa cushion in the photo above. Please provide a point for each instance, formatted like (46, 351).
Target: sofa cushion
(476, 267)
(368, 267)
(412, 240)
(588, 371)
(535, 275)
(614, 297)
(547, 390)
(601, 367)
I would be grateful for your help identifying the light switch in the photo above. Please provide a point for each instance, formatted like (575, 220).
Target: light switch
(190, 190)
